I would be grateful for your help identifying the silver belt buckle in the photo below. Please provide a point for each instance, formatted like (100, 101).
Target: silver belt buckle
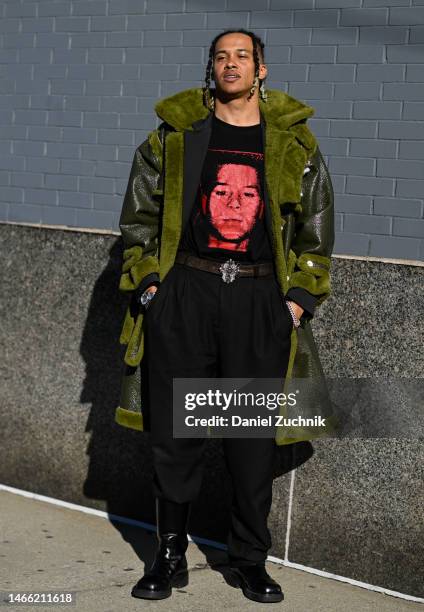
(229, 270)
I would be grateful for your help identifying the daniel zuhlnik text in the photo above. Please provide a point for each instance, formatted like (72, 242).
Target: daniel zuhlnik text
(272, 420)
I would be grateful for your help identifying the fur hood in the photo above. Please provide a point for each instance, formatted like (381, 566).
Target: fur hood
(280, 111)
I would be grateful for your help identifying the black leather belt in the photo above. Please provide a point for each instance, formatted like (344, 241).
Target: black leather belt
(228, 269)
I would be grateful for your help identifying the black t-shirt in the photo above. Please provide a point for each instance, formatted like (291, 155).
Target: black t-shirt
(228, 215)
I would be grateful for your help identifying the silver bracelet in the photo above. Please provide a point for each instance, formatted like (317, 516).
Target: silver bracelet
(296, 321)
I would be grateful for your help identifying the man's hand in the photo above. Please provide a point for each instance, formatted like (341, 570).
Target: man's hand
(298, 310)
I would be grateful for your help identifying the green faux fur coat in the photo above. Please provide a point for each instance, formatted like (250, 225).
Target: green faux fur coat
(162, 184)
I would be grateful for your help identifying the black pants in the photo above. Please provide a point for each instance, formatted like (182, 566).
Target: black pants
(199, 326)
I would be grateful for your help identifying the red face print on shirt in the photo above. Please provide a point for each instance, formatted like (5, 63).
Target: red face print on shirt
(233, 206)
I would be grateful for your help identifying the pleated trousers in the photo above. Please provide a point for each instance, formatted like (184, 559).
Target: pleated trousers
(199, 326)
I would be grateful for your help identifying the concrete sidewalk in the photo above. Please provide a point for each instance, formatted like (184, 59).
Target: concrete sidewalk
(46, 548)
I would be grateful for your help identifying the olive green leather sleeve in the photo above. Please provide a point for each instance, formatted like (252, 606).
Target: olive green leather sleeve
(314, 234)
(139, 220)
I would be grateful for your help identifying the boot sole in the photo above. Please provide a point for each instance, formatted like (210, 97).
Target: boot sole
(178, 581)
(237, 581)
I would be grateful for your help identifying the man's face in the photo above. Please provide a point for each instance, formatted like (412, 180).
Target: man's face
(234, 65)
(235, 200)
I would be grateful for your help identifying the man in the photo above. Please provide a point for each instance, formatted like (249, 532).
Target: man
(228, 225)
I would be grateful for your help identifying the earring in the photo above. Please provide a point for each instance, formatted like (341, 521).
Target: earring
(262, 92)
(254, 86)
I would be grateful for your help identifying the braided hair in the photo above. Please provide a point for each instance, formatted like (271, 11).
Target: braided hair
(258, 49)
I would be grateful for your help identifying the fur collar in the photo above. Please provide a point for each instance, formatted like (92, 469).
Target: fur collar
(186, 107)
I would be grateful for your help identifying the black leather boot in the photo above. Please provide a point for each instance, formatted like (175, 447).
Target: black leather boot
(169, 568)
(255, 583)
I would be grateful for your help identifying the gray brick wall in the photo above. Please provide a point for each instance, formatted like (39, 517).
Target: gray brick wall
(79, 81)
